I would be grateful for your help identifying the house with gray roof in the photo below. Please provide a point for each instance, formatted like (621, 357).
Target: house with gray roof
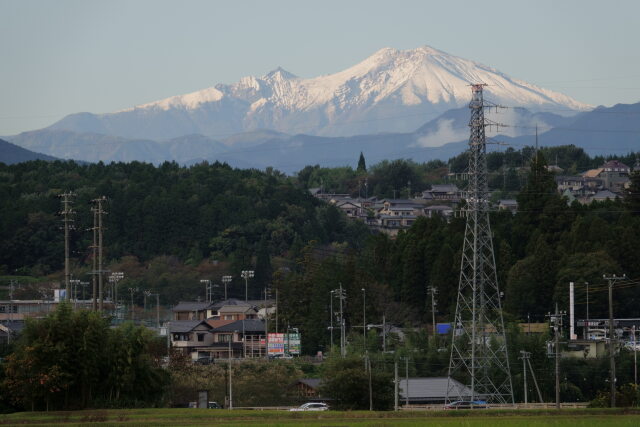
(449, 192)
(190, 310)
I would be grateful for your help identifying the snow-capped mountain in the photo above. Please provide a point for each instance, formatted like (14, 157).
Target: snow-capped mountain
(391, 91)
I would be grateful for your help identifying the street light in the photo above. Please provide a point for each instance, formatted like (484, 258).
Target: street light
(74, 291)
(148, 293)
(114, 278)
(246, 275)
(226, 280)
(132, 290)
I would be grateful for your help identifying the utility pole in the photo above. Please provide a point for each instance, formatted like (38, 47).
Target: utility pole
(635, 357)
(478, 318)
(384, 334)
(342, 295)
(557, 351)
(367, 364)
(132, 290)
(266, 326)
(524, 357)
(114, 278)
(99, 211)
(556, 320)
(406, 374)
(364, 319)
(11, 287)
(94, 261)
(226, 280)
(230, 381)
(67, 213)
(433, 291)
(331, 318)
(587, 326)
(612, 353)
(158, 310)
(208, 289)
(395, 382)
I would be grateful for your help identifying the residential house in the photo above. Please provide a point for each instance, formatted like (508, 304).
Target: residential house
(600, 196)
(9, 331)
(350, 208)
(441, 210)
(21, 309)
(509, 205)
(308, 388)
(578, 186)
(190, 337)
(237, 312)
(586, 349)
(614, 175)
(448, 192)
(190, 310)
(245, 337)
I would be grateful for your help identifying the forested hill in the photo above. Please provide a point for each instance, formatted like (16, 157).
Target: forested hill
(207, 210)
(11, 153)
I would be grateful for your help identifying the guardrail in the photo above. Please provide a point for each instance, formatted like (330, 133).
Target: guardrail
(545, 405)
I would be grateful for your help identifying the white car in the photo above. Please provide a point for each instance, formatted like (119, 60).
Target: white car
(312, 406)
(630, 345)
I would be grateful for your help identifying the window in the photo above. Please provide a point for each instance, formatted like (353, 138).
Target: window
(200, 337)
(224, 337)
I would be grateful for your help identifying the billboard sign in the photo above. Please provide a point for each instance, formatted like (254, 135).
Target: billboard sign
(281, 344)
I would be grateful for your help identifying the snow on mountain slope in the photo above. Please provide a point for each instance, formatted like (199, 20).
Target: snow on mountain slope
(391, 91)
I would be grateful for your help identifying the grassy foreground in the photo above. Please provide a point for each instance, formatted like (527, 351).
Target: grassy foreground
(185, 417)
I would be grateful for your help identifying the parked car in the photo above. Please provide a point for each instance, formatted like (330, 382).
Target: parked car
(280, 356)
(312, 406)
(214, 405)
(467, 404)
(204, 360)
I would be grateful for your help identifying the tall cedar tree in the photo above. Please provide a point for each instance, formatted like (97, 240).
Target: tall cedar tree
(362, 165)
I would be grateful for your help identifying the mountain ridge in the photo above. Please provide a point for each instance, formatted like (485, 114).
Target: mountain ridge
(412, 86)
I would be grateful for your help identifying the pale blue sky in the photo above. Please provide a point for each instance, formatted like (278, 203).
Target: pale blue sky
(61, 57)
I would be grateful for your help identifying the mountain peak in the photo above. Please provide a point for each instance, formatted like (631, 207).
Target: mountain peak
(280, 73)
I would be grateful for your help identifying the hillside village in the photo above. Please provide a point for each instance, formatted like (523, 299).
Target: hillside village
(608, 182)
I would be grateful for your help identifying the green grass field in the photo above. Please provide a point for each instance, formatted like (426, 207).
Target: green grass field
(186, 417)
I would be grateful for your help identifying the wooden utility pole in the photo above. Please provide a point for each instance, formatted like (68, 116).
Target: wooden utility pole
(395, 382)
(557, 354)
(94, 261)
(99, 212)
(556, 320)
(524, 372)
(433, 291)
(612, 353)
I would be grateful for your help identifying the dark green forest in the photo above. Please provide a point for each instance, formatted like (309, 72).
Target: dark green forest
(169, 226)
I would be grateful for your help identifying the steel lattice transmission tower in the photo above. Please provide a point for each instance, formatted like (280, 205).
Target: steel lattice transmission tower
(479, 357)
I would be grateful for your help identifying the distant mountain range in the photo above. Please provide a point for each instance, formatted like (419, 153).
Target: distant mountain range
(409, 104)
(391, 91)
(601, 131)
